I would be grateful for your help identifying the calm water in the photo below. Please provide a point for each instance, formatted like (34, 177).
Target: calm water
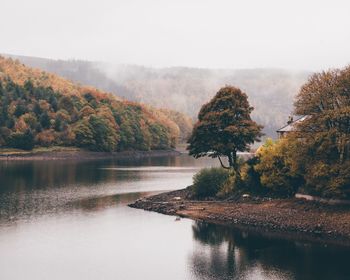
(64, 220)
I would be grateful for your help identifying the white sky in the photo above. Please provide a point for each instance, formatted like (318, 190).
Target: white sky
(299, 34)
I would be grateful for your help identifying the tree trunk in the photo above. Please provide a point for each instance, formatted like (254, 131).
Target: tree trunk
(222, 164)
(231, 160)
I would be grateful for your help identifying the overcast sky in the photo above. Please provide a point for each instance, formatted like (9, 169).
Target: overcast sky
(299, 34)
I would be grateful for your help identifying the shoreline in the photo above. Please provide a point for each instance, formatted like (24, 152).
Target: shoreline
(85, 155)
(283, 218)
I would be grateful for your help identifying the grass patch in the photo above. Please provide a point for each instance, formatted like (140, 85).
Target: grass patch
(37, 150)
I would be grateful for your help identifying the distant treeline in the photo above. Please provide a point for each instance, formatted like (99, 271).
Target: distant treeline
(40, 116)
(270, 91)
(37, 108)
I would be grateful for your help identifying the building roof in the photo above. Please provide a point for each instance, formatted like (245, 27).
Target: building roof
(291, 126)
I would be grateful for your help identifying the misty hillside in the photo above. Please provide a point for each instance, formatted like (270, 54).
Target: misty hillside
(270, 91)
(38, 108)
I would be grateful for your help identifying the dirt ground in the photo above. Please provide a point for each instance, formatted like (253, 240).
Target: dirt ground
(310, 220)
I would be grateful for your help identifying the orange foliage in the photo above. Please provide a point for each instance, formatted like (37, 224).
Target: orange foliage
(46, 137)
(75, 95)
(20, 73)
(21, 125)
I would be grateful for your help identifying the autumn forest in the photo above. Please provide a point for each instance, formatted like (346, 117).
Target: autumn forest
(38, 108)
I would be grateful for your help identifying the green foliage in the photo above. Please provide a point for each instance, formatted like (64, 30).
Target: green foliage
(328, 180)
(271, 91)
(40, 92)
(53, 102)
(84, 136)
(20, 140)
(224, 127)
(36, 109)
(278, 169)
(20, 110)
(45, 120)
(325, 153)
(66, 103)
(105, 137)
(324, 170)
(183, 121)
(231, 185)
(250, 178)
(57, 119)
(209, 181)
(160, 136)
(58, 124)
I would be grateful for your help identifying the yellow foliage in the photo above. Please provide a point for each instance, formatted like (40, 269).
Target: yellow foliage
(86, 111)
(20, 74)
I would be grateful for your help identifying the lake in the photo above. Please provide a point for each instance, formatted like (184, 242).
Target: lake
(70, 220)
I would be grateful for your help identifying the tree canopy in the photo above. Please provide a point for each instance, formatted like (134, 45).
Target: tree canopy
(42, 109)
(224, 127)
(315, 157)
(325, 133)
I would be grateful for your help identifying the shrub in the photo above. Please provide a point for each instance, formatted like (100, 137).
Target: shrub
(251, 178)
(230, 185)
(20, 140)
(326, 179)
(209, 181)
(278, 168)
(45, 138)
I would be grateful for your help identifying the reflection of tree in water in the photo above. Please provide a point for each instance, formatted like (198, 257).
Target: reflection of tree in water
(228, 253)
(25, 175)
(46, 174)
(35, 187)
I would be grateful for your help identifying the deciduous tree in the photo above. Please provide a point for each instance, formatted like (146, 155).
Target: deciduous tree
(224, 127)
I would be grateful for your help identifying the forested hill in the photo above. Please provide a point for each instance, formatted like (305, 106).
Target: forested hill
(43, 109)
(270, 91)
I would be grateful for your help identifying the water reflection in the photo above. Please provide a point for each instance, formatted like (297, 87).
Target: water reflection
(103, 202)
(70, 220)
(228, 253)
(32, 188)
(19, 175)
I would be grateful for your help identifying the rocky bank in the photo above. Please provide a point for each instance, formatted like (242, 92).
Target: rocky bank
(288, 217)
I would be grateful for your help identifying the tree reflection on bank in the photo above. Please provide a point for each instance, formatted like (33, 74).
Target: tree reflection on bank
(228, 253)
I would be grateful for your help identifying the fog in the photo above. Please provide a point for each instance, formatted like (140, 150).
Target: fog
(270, 91)
(297, 34)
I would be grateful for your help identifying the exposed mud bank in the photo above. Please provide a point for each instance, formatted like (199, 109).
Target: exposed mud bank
(292, 218)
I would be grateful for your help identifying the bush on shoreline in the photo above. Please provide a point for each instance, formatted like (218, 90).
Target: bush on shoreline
(277, 167)
(209, 181)
(313, 157)
(280, 169)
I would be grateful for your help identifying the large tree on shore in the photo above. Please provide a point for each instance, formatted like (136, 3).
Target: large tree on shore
(224, 127)
(325, 99)
(325, 133)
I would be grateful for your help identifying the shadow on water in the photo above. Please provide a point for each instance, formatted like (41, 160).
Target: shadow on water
(229, 253)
